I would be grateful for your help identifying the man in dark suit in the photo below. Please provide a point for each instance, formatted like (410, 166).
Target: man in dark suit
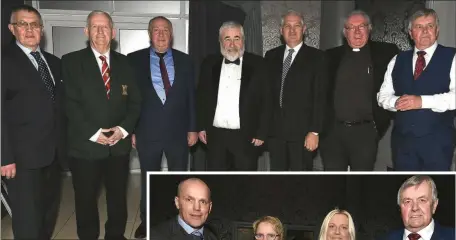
(32, 127)
(354, 123)
(103, 104)
(298, 78)
(167, 123)
(420, 87)
(233, 110)
(417, 198)
(194, 203)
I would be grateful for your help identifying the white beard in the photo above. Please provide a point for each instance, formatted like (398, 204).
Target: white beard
(231, 56)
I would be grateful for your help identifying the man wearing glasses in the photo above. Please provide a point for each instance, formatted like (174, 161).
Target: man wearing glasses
(420, 87)
(32, 127)
(354, 123)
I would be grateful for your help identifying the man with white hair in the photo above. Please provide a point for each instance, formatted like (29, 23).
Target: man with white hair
(232, 103)
(417, 199)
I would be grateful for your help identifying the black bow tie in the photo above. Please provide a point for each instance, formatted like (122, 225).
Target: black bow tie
(237, 61)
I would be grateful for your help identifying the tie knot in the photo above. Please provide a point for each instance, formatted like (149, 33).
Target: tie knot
(414, 236)
(237, 61)
(291, 51)
(198, 234)
(103, 58)
(36, 55)
(160, 55)
(421, 53)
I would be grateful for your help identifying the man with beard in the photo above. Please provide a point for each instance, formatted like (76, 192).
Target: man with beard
(232, 103)
(417, 198)
(298, 80)
(194, 203)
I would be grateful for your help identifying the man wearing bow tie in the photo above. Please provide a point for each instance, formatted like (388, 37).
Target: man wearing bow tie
(354, 123)
(232, 103)
(420, 86)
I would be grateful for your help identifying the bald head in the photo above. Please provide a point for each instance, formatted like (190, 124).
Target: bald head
(193, 183)
(193, 201)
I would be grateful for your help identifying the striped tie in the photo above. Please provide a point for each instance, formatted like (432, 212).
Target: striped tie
(106, 75)
(286, 67)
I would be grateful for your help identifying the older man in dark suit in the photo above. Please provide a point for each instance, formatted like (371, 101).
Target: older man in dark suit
(103, 104)
(233, 103)
(32, 127)
(354, 123)
(298, 80)
(167, 123)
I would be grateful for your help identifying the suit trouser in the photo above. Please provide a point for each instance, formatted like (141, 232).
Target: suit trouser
(355, 146)
(289, 155)
(150, 159)
(87, 178)
(433, 152)
(224, 143)
(35, 200)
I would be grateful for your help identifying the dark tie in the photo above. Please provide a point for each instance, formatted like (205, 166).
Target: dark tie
(237, 61)
(197, 235)
(45, 74)
(106, 74)
(163, 71)
(414, 236)
(285, 68)
(420, 64)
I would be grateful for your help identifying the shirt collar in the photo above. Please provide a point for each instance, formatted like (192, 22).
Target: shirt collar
(425, 233)
(296, 48)
(26, 49)
(188, 229)
(429, 51)
(97, 54)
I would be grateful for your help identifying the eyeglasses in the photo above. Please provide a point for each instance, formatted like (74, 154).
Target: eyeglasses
(352, 28)
(26, 25)
(267, 236)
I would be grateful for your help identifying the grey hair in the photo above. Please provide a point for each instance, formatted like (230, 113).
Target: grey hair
(415, 181)
(363, 14)
(425, 12)
(230, 24)
(26, 8)
(98, 12)
(291, 13)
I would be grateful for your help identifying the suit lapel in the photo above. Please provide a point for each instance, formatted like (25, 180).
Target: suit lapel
(246, 75)
(115, 84)
(28, 66)
(216, 71)
(90, 65)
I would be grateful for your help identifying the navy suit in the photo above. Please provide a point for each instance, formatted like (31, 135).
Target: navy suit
(164, 127)
(440, 233)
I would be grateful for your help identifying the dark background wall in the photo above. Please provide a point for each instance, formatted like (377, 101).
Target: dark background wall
(302, 200)
(7, 5)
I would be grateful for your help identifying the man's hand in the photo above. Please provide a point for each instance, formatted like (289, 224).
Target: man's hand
(202, 137)
(257, 142)
(408, 102)
(102, 139)
(133, 141)
(192, 137)
(9, 171)
(311, 142)
(115, 137)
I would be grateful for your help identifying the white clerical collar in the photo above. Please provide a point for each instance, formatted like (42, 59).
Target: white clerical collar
(356, 49)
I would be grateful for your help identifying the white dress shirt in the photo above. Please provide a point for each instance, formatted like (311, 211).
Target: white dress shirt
(425, 233)
(438, 102)
(296, 50)
(28, 51)
(94, 138)
(227, 110)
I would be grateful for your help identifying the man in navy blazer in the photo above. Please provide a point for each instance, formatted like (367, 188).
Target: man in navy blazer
(418, 201)
(167, 123)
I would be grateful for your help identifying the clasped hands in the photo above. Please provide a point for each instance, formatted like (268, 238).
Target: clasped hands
(113, 139)
(408, 102)
(203, 138)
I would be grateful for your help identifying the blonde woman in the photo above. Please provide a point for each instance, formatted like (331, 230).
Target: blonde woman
(338, 224)
(268, 228)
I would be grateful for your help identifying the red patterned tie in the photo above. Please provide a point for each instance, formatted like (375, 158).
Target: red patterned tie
(414, 236)
(106, 75)
(420, 64)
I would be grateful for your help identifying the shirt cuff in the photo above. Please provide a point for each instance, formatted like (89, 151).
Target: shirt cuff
(427, 102)
(94, 138)
(392, 103)
(125, 133)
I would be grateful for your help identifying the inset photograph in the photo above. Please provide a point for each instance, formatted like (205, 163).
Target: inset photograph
(300, 207)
